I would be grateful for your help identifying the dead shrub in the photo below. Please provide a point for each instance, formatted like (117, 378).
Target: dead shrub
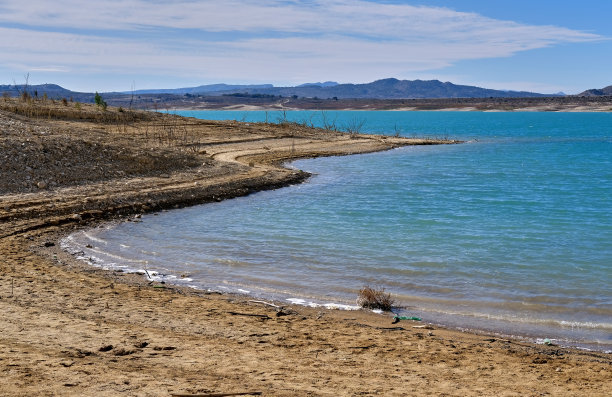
(375, 298)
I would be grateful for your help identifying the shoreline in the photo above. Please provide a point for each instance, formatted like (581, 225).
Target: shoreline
(548, 104)
(430, 317)
(68, 328)
(549, 109)
(477, 323)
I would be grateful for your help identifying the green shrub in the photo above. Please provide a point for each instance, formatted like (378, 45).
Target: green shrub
(99, 101)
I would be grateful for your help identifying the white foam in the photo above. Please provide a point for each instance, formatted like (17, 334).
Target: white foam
(330, 305)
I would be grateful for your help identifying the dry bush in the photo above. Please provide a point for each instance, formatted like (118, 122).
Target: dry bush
(375, 298)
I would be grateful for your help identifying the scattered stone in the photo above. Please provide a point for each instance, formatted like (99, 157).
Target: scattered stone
(83, 353)
(281, 313)
(41, 185)
(124, 352)
(106, 348)
(158, 348)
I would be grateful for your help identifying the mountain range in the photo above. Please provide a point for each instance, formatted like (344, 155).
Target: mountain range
(597, 92)
(52, 90)
(381, 89)
(202, 89)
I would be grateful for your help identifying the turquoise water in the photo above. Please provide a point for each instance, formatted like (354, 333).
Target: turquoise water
(510, 232)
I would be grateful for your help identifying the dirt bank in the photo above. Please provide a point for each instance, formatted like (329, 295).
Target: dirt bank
(68, 329)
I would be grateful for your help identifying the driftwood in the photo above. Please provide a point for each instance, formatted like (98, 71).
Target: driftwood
(265, 303)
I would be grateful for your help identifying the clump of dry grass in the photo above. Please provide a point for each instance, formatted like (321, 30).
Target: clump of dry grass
(375, 298)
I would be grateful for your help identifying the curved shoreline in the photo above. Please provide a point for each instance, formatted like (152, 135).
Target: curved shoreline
(68, 328)
(479, 323)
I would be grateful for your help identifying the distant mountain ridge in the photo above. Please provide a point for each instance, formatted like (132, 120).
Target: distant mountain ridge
(319, 84)
(381, 89)
(51, 90)
(398, 89)
(597, 92)
(390, 88)
(202, 89)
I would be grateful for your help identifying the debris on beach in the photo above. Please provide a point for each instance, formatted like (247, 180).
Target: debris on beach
(396, 319)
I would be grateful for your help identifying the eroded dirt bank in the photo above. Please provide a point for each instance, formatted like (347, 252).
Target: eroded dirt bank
(68, 329)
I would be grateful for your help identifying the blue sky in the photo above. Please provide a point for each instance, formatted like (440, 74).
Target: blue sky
(537, 45)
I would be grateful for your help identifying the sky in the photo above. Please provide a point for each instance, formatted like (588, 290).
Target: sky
(118, 45)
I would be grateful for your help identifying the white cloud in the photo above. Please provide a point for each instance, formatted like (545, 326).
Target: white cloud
(288, 41)
(360, 17)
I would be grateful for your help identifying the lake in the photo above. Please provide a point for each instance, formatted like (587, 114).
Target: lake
(510, 232)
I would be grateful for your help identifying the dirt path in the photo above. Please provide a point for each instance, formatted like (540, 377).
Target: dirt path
(68, 329)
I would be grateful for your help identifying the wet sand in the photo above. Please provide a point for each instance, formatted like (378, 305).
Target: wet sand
(70, 329)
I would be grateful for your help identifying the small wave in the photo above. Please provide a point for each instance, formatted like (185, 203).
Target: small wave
(605, 326)
(93, 238)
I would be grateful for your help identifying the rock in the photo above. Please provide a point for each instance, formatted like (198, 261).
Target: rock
(106, 348)
(124, 352)
(42, 185)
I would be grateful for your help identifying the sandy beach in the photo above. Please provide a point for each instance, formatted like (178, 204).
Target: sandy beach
(70, 329)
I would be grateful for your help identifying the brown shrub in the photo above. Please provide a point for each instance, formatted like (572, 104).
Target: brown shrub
(375, 298)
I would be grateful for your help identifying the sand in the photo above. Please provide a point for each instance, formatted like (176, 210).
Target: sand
(70, 329)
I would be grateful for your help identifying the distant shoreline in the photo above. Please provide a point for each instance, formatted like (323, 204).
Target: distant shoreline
(543, 104)
(248, 108)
